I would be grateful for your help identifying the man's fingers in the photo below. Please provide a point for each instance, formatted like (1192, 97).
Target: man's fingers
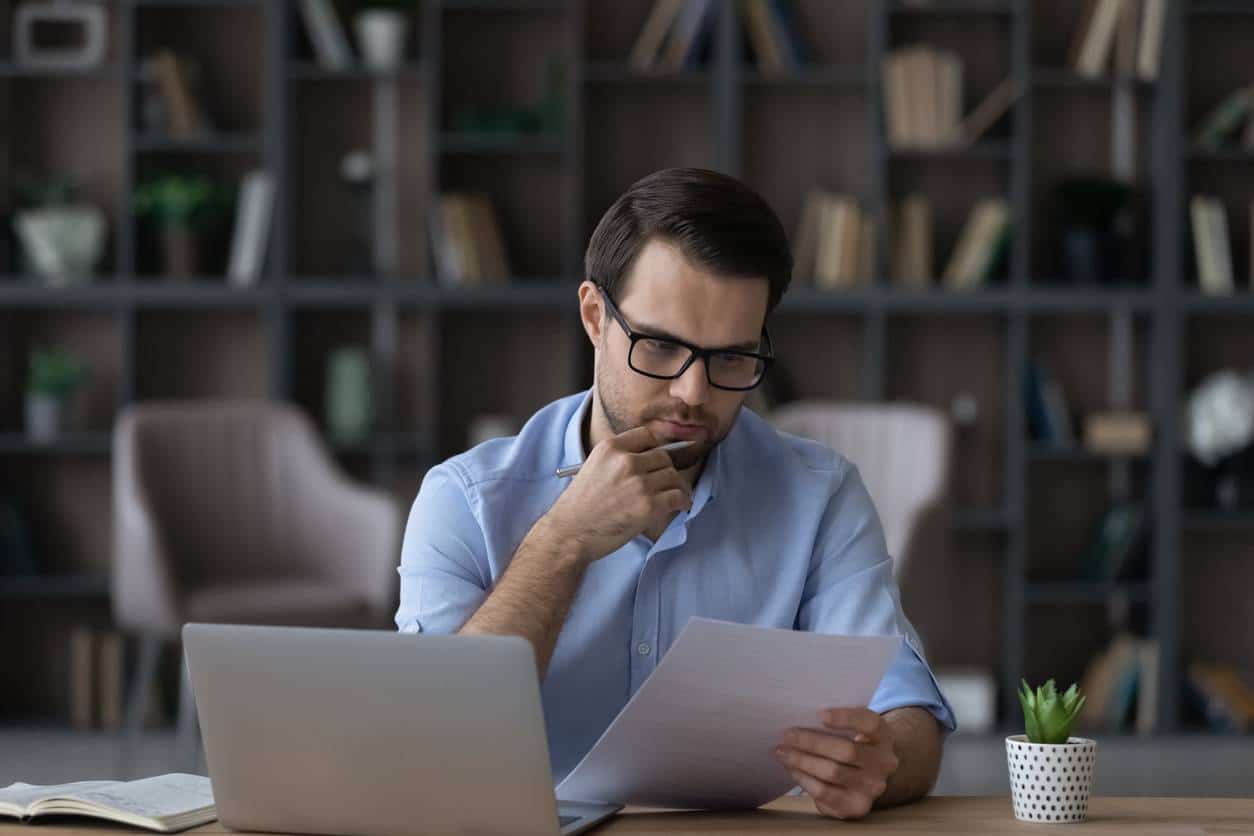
(835, 802)
(636, 440)
(857, 721)
(833, 773)
(654, 459)
(823, 744)
(664, 480)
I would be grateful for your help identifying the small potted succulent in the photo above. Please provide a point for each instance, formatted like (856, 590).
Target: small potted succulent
(55, 377)
(1051, 772)
(382, 27)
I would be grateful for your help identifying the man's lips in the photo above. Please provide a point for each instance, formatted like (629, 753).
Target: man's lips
(681, 430)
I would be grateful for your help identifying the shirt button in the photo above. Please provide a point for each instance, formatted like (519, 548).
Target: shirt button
(644, 649)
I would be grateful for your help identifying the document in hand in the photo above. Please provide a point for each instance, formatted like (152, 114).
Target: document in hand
(165, 803)
(699, 733)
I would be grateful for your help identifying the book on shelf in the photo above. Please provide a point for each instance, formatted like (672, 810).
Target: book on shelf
(467, 243)
(1095, 37)
(253, 212)
(988, 112)
(1225, 120)
(980, 246)
(1048, 414)
(164, 803)
(1121, 683)
(1116, 546)
(922, 90)
(1225, 694)
(690, 33)
(176, 80)
(912, 229)
(326, 35)
(835, 242)
(1131, 30)
(1212, 254)
(648, 46)
(95, 682)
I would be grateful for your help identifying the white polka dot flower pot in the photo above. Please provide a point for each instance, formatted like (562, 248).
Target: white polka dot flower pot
(1050, 783)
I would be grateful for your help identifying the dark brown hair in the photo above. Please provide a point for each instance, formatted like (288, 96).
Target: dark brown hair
(716, 221)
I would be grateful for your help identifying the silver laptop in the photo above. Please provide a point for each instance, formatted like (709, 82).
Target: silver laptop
(375, 733)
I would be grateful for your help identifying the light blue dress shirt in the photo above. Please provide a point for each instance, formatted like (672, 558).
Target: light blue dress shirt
(782, 533)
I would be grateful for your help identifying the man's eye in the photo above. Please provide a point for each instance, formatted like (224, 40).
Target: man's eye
(660, 346)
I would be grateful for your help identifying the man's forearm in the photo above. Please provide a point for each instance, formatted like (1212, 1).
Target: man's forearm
(917, 742)
(534, 594)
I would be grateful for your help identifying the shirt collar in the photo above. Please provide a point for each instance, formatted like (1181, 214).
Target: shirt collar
(706, 489)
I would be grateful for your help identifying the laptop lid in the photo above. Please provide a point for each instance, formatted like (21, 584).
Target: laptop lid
(370, 732)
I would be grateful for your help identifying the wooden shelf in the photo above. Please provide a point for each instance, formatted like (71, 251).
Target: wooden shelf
(55, 588)
(105, 73)
(454, 142)
(225, 143)
(611, 73)
(310, 71)
(68, 444)
(1084, 592)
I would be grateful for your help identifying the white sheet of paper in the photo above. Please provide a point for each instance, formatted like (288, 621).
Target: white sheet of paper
(699, 733)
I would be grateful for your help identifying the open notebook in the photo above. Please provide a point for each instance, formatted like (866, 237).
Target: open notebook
(165, 803)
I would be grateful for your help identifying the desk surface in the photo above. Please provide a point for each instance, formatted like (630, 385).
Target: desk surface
(950, 814)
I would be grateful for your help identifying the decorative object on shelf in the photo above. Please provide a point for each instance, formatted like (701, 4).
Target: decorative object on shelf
(382, 27)
(358, 172)
(1118, 433)
(55, 377)
(253, 210)
(348, 406)
(61, 240)
(326, 35)
(87, 17)
(1051, 772)
(17, 548)
(185, 208)
(1094, 245)
(489, 426)
(1219, 429)
(547, 116)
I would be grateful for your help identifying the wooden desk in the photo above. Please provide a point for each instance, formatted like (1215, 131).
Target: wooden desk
(952, 814)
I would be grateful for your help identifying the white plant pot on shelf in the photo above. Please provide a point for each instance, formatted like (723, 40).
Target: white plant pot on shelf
(1051, 783)
(381, 37)
(44, 416)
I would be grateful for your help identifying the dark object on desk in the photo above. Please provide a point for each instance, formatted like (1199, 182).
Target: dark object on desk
(17, 549)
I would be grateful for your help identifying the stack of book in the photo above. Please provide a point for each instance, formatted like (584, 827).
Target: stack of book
(1131, 29)
(923, 97)
(981, 246)
(835, 243)
(1225, 694)
(467, 243)
(1209, 221)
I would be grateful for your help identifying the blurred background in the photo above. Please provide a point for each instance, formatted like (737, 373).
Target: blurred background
(264, 262)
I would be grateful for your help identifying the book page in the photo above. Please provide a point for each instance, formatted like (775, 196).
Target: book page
(160, 797)
(15, 798)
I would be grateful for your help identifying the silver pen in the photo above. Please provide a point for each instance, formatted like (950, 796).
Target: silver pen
(572, 469)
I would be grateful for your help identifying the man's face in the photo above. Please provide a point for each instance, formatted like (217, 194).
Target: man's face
(667, 296)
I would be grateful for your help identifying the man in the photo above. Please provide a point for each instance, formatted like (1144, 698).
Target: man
(601, 571)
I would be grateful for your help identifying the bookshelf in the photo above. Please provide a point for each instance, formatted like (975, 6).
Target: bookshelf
(442, 355)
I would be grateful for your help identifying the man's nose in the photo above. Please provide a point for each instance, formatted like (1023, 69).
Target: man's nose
(692, 387)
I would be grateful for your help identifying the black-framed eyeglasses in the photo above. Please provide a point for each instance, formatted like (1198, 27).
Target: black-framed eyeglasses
(667, 358)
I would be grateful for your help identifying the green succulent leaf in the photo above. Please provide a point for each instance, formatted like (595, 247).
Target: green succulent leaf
(1048, 715)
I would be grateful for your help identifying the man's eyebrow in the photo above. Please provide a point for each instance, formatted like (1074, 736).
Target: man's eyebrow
(663, 334)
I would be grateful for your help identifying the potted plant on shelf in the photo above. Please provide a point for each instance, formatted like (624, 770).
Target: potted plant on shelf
(184, 208)
(1051, 772)
(62, 239)
(55, 377)
(382, 27)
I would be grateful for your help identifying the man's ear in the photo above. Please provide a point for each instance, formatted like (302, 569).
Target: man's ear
(592, 312)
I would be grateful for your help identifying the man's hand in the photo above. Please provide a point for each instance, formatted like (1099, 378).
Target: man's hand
(846, 766)
(625, 486)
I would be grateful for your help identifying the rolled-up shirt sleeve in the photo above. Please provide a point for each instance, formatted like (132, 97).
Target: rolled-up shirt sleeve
(850, 590)
(444, 569)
